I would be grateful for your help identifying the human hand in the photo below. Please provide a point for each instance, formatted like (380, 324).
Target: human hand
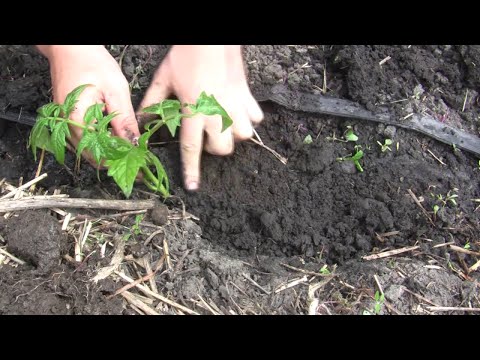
(74, 65)
(218, 70)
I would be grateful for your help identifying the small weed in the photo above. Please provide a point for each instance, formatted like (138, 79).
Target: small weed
(308, 139)
(379, 300)
(324, 270)
(386, 145)
(357, 156)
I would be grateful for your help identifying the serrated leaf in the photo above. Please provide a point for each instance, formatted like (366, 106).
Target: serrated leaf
(48, 110)
(165, 108)
(208, 105)
(58, 141)
(103, 123)
(125, 169)
(88, 141)
(173, 124)
(94, 112)
(113, 147)
(71, 100)
(40, 137)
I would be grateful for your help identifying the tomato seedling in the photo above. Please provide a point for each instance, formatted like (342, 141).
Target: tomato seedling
(123, 159)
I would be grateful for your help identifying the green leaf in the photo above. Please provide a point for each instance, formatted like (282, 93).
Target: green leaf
(165, 108)
(90, 143)
(350, 135)
(71, 100)
(173, 123)
(40, 137)
(94, 112)
(103, 123)
(208, 105)
(357, 156)
(58, 141)
(388, 142)
(48, 110)
(308, 139)
(124, 170)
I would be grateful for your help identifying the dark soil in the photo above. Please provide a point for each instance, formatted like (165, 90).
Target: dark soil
(256, 213)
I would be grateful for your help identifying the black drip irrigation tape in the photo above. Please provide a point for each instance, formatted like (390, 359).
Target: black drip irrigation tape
(318, 104)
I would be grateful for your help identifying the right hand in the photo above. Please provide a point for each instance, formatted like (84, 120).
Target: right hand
(75, 65)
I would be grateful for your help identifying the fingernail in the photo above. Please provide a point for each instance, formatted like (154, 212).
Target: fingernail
(191, 185)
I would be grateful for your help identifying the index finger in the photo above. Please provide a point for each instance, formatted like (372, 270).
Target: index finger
(191, 143)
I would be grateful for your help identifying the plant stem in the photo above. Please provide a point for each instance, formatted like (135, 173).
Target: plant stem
(152, 179)
(70, 122)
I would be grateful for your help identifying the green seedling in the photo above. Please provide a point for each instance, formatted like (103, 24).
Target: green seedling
(478, 164)
(444, 200)
(324, 270)
(123, 159)
(355, 158)
(386, 145)
(379, 300)
(308, 139)
(136, 227)
(449, 198)
(467, 246)
(348, 136)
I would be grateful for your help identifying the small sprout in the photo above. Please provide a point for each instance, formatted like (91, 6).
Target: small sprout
(386, 145)
(308, 139)
(136, 227)
(398, 145)
(355, 158)
(350, 135)
(444, 200)
(478, 164)
(467, 246)
(324, 270)
(379, 299)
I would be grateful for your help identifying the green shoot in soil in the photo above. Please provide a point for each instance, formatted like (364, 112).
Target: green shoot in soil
(355, 158)
(379, 300)
(324, 270)
(123, 159)
(308, 139)
(386, 145)
(348, 136)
